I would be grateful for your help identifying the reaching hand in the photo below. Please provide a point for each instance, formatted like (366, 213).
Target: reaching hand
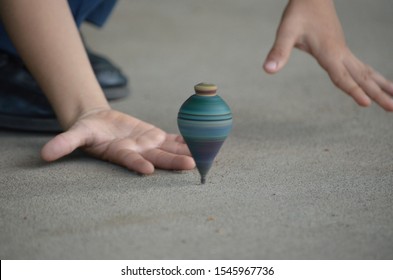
(124, 140)
(313, 26)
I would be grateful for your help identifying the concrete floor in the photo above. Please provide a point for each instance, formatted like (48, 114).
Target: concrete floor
(305, 174)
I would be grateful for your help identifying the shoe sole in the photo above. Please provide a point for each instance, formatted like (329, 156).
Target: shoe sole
(32, 124)
(116, 93)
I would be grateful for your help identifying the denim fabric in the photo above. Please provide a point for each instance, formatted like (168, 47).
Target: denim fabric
(93, 11)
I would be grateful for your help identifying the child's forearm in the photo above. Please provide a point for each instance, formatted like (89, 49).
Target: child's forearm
(46, 37)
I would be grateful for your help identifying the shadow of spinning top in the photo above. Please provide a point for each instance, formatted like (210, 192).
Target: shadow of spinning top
(204, 121)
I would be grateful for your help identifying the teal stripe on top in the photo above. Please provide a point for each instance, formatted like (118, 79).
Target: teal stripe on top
(205, 106)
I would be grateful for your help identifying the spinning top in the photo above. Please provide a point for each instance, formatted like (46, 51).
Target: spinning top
(204, 121)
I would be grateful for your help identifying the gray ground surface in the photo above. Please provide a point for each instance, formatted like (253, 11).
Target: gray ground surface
(305, 174)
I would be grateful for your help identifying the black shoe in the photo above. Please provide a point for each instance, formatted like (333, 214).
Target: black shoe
(109, 76)
(23, 106)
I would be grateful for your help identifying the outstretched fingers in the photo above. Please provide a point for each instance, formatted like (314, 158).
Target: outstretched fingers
(146, 162)
(132, 160)
(342, 79)
(372, 83)
(172, 154)
(384, 84)
(167, 160)
(175, 144)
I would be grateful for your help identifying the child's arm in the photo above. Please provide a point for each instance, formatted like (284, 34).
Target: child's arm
(313, 26)
(46, 37)
(48, 41)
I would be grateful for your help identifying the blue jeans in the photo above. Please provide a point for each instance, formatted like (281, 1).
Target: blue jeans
(93, 11)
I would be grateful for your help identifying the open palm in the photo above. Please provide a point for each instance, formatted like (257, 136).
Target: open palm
(119, 138)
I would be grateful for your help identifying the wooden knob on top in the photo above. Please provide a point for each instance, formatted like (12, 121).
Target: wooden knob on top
(205, 89)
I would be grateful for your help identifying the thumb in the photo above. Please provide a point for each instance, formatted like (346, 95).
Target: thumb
(63, 144)
(280, 52)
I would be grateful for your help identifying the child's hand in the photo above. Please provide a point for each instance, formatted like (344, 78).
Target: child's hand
(124, 140)
(313, 26)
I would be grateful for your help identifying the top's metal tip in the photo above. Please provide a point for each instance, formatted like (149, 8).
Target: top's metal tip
(203, 180)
